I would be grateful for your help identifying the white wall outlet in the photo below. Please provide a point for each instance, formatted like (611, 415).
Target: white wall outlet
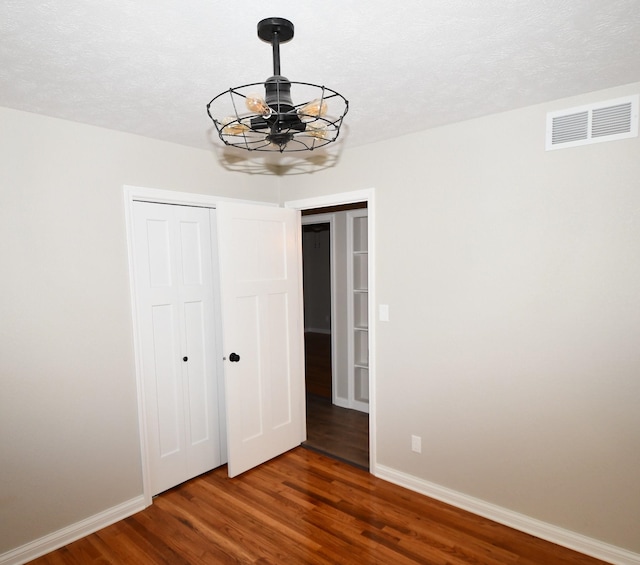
(416, 444)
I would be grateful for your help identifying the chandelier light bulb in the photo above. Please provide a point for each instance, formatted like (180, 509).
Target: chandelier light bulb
(314, 109)
(317, 131)
(230, 126)
(256, 104)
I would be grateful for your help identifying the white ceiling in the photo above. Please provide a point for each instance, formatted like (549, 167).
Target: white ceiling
(150, 66)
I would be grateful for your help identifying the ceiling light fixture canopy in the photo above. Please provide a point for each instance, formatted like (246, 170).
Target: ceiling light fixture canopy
(263, 117)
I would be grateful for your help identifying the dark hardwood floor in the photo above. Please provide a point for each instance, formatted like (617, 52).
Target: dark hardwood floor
(337, 432)
(332, 430)
(317, 364)
(305, 508)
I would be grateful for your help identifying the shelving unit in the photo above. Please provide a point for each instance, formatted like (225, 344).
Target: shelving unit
(358, 304)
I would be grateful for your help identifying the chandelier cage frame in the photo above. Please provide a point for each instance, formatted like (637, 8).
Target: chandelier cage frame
(269, 120)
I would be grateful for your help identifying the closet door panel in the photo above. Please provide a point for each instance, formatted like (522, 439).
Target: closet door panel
(175, 307)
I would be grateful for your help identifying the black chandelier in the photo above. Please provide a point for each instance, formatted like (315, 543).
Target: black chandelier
(271, 121)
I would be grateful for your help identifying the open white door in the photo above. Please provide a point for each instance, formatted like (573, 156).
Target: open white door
(260, 259)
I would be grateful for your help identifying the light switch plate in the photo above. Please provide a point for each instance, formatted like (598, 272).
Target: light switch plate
(384, 312)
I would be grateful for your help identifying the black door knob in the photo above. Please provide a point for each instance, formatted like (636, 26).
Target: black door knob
(234, 357)
(185, 359)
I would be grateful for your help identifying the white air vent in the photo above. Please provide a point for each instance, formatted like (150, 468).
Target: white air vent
(604, 121)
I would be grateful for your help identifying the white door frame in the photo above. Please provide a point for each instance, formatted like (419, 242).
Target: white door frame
(131, 195)
(368, 196)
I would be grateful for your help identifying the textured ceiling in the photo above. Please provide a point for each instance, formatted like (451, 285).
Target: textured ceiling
(150, 66)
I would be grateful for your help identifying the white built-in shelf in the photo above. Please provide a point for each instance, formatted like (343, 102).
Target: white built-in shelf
(358, 268)
(360, 271)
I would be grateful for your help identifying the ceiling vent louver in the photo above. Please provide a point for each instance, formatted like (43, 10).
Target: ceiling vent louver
(603, 121)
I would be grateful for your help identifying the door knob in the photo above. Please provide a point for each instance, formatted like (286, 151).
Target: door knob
(185, 359)
(234, 357)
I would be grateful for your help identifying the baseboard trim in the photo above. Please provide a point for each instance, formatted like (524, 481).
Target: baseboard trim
(549, 532)
(341, 402)
(60, 538)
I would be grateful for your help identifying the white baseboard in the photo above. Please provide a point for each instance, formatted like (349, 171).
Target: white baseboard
(341, 402)
(537, 528)
(71, 533)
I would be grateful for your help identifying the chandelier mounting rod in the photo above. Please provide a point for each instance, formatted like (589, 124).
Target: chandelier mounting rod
(275, 31)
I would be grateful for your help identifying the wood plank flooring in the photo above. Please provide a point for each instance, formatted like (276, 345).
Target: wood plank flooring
(305, 508)
(332, 430)
(317, 364)
(338, 432)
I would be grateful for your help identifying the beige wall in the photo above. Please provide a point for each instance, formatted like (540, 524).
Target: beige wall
(513, 279)
(69, 444)
(512, 276)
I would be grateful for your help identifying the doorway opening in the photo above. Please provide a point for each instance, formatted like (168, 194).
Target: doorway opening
(336, 323)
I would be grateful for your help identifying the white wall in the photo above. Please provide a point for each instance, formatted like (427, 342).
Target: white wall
(513, 279)
(69, 444)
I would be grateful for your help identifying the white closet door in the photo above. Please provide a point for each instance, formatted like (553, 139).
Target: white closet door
(261, 293)
(175, 301)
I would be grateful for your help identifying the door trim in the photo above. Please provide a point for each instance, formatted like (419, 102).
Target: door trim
(133, 194)
(368, 196)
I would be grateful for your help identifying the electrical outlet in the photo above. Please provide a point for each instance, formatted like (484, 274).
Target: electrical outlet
(416, 444)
